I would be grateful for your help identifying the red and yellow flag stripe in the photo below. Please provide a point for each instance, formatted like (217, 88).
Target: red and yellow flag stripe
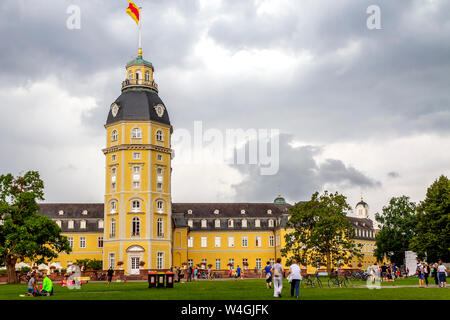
(133, 11)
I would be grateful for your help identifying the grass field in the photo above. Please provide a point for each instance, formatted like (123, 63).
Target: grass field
(251, 289)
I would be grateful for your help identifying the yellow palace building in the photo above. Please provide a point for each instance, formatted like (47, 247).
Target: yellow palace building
(139, 226)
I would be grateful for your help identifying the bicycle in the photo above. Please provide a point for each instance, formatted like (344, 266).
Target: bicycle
(312, 281)
(335, 282)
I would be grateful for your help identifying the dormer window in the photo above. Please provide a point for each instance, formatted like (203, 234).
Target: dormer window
(244, 223)
(217, 223)
(100, 224)
(230, 223)
(147, 76)
(242, 211)
(58, 222)
(269, 211)
(190, 223)
(70, 224)
(60, 212)
(271, 223)
(204, 223)
(83, 224)
(257, 223)
(216, 211)
(84, 213)
(189, 211)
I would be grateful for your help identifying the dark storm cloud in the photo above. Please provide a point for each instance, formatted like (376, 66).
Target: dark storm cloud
(299, 175)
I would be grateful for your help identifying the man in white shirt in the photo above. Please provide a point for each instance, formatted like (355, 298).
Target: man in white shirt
(296, 276)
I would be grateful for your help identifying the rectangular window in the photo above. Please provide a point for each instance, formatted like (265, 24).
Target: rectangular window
(245, 263)
(190, 242)
(83, 224)
(257, 223)
(217, 242)
(278, 240)
(113, 157)
(100, 242)
(82, 242)
(159, 185)
(258, 263)
(204, 242)
(136, 156)
(190, 223)
(244, 241)
(58, 222)
(231, 242)
(160, 260)
(190, 262)
(231, 264)
(272, 261)
(258, 241)
(217, 264)
(70, 224)
(271, 241)
(136, 184)
(159, 157)
(112, 260)
(100, 224)
(70, 239)
(204, 225)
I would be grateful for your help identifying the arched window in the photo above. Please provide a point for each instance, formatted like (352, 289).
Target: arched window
(138, 75)
(159, 135)
(135, 227)
(160, 228)
(113, 206)
(130, 75)
(147, 76)
(270, 223)
(114, 135)
(112, 228)
(160, 205)
(136, 133)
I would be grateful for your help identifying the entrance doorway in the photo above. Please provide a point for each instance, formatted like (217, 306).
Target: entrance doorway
(134, 265)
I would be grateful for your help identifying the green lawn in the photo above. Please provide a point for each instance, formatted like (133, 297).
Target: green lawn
(250, 289)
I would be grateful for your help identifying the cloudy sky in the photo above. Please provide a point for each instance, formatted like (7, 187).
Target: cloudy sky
(359, 110)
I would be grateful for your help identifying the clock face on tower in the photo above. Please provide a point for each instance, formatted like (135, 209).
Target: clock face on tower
(114, 109)
(159, 108)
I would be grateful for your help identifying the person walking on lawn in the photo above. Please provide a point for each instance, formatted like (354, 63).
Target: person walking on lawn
(277, 279)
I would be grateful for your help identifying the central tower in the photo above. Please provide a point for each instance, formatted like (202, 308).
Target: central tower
(138, 152)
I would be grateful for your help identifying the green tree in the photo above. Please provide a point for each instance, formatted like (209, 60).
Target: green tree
(322, 233)
(433, 227)
(398, 226)
(25, 234)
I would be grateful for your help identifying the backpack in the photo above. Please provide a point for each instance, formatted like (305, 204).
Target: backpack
(276, 272)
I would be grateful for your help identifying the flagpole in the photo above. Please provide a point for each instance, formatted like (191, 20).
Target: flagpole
(140, 33)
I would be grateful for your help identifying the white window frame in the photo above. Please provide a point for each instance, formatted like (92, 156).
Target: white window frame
(82, 243)
(70, 224)
(135, 227)
(190, 223)
(230, 223)
(112, 228)
(136, 156)
(271, 241)
(112, 260)
(114, 135)
(258, 240)
(217, 264)
(257, 223)
(190, 242)
(136, 133)
(244, 223)
(159, 157)
(71, 241)
(83, 224)
(231, 242)
(271, 223)
(160, 228)
(160, 260)
(258, 263)
(217, 241)
(113, 157)
(204, 241)
(244, 242)
(100, 239)
(136, 205)
(217, 223)
(204, 223)
(159, 135)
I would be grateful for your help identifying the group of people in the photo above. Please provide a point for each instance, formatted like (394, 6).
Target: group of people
(274, 274)
(33, 288)
(438, 271)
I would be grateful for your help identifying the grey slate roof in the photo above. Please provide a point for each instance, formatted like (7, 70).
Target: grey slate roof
(74, 211)
(138, 105)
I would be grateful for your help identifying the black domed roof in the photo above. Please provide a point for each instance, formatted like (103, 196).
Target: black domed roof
(138, 105)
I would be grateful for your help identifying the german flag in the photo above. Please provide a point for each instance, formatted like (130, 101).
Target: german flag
(133, 11)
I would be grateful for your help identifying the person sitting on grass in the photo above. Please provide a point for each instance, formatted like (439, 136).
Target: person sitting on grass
(47, 286)
(33, 289)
